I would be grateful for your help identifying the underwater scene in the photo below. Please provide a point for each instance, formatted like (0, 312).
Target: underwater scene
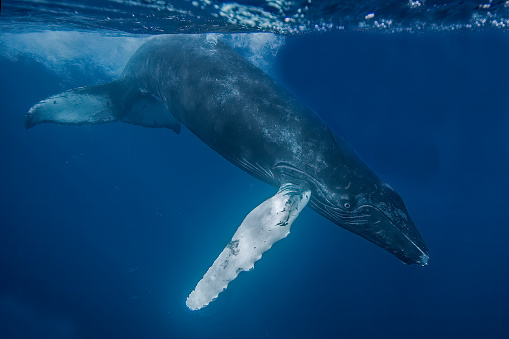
(154, 155)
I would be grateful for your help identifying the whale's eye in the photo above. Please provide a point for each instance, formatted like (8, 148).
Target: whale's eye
(347, 203)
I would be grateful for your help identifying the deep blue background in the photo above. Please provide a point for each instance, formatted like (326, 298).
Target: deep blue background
(106, 229)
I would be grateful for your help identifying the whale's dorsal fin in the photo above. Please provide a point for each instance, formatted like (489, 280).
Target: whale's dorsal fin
(101, 104)
(263, 226)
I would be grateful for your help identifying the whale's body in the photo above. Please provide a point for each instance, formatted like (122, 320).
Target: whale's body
(249, 119)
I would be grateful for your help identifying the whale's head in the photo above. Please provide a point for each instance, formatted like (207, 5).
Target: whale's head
(347, 192)
(376, 212)
(354, 198)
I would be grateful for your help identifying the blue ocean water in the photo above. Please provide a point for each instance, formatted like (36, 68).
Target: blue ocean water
(105, 229)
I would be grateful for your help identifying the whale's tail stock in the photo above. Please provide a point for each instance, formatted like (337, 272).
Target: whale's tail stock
(100, 104)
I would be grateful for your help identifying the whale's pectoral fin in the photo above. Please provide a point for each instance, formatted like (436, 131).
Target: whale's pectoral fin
(263, 226)
(79, 106)
(101, 104)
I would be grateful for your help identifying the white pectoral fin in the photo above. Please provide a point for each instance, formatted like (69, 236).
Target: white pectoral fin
(263, 226)
(80, 106)
(101, 104)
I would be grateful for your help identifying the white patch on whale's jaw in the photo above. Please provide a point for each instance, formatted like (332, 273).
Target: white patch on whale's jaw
(263, 226)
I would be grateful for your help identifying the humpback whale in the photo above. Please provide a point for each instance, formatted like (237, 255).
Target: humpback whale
(245, 116)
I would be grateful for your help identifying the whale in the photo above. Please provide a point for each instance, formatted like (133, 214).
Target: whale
(201, 83)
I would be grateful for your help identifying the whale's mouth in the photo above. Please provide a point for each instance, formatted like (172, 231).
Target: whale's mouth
(388, 228)
(422, 257)
(394, 231)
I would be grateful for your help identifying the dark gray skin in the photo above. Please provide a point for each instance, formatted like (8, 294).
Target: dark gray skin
(249, 119)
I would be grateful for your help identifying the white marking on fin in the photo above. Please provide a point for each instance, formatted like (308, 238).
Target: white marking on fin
(263, 226)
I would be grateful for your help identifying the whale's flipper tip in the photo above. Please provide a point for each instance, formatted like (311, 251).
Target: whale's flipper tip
(29, 120)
